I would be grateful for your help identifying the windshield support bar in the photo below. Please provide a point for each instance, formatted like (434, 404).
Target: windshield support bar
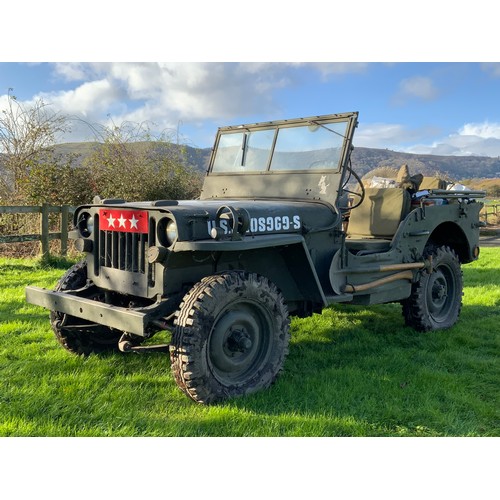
(329, 129)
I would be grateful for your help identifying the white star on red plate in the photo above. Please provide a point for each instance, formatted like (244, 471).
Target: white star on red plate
(133, 222)
(111, 221)
(122, 221)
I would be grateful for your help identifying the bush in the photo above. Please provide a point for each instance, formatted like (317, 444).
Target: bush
(141, 171)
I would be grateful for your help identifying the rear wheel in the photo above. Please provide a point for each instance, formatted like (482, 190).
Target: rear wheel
(436, 298)
(77, 335)
(231, 337)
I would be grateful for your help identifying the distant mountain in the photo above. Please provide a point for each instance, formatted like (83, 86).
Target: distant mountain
(453, 167)
(198, 157)
(363, 160)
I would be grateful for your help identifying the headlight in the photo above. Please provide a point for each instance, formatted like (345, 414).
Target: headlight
(85, 224)
(171, 232)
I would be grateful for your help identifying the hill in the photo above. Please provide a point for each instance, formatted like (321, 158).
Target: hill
(363, 160)
(453, 167)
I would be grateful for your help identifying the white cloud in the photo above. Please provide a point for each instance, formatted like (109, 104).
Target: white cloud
(473, 139)
(72, 71)
(416, 87)
(493, 68)
(88, 98)
(169, 93)
(191, 91)
(385, 135)
(4, 102)
(181, 91)
(484, 130)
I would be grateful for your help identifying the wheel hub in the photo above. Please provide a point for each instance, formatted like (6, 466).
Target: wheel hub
(439, 291)
(239, 340)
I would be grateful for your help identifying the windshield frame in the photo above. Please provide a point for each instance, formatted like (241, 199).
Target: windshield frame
(342, 145)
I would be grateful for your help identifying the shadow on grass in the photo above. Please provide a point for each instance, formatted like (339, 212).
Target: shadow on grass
(10, 311)
(37, 264)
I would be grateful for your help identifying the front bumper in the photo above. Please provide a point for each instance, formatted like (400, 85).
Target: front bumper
(138, 321)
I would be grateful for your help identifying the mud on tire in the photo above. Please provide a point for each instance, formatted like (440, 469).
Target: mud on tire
(231, 337)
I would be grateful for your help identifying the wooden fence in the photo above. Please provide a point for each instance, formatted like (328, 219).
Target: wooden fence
(44, 236)
(490, 214)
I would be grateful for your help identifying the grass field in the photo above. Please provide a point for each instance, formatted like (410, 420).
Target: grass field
(350, 372)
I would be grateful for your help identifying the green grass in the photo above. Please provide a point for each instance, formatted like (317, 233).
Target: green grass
(350, 372)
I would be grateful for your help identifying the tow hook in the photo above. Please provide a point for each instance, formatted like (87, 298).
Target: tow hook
(127, 344)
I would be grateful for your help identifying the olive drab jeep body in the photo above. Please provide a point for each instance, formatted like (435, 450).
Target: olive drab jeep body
(283, 226)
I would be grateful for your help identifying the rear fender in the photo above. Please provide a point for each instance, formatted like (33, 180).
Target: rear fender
(452, 225)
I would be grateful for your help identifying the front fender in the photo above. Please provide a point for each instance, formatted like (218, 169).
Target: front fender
(283, 258)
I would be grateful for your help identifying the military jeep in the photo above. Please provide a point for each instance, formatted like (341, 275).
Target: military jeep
(283, 226)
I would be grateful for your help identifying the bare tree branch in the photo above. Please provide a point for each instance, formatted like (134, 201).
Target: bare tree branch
(27, 132)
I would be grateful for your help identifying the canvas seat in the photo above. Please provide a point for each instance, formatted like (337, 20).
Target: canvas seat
(433, 183)
(373, 224)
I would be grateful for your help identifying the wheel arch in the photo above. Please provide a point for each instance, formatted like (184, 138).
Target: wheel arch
(452, 235)
(289, 267)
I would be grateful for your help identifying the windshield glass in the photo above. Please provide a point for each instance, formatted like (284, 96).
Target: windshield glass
(244, 151)
(308, 146)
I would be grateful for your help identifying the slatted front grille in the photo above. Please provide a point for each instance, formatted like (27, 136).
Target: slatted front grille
(125, 251)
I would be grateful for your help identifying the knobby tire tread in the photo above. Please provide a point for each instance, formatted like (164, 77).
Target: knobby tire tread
(193, 322)
(415, 308)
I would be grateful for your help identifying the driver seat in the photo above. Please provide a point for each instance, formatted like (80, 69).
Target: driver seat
(373, 224)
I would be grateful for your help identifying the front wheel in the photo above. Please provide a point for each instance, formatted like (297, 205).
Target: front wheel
(77, 335)
(436, 298)
(231, 337)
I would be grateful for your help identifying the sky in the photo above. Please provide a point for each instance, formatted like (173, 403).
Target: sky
(449, 108)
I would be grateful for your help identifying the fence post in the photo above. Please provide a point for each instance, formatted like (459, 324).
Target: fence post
(64, 230)
(44, 232)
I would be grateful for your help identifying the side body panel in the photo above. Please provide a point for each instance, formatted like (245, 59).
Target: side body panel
(455, 225)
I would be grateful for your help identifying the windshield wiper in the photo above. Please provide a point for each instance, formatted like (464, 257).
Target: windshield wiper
(329, 129)
(244, 149)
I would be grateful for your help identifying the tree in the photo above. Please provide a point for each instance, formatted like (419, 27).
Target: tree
(493, 190)
(27, 135)
(133, 164)
(128, 161)
(58, 181)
